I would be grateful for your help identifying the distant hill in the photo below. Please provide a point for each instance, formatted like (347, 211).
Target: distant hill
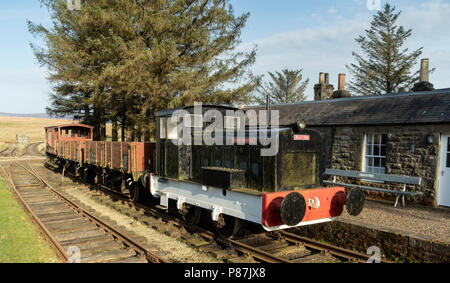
(32, 115)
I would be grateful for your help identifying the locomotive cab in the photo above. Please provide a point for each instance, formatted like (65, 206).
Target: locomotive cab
(295, 165)
(231, 177)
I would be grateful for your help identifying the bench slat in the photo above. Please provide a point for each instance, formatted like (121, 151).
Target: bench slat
(375, 177)
(372, 188)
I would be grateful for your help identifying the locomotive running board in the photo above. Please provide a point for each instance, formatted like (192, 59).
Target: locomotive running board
(218, 201)
(282, 227)
(236, 204)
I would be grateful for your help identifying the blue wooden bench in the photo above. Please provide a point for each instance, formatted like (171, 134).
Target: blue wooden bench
(405, 180)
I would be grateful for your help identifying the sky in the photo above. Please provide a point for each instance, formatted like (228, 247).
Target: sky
(316, 36)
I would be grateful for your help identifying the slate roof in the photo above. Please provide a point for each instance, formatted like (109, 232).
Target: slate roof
(402, 108)
(70, 126)
(169, 112)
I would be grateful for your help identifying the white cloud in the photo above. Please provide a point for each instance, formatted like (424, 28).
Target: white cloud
(329, 48)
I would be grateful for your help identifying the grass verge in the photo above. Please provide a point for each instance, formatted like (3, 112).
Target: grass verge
(20, 241)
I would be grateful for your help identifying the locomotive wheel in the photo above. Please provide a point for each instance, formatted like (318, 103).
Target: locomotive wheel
(228, 226)
(192, 215)
(135, 192)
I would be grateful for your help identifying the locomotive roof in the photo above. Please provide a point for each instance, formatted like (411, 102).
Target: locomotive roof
(70, 126)
(402, 108)
(169, 112)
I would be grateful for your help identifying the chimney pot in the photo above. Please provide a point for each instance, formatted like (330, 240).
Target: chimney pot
(341, 84)
(321, 78)
(424, 70)
(327, 78)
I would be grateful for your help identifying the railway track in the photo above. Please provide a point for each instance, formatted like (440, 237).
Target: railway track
(8, 152)
(32, 150)
(272, 247)
(75, 233)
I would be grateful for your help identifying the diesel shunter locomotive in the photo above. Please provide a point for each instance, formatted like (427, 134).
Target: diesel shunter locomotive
(228, 181)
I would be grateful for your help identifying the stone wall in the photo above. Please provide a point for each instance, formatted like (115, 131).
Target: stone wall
(408, 154)
(396, 246)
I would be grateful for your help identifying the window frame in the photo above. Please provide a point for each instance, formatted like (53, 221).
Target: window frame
(368, 157)
(163, 128)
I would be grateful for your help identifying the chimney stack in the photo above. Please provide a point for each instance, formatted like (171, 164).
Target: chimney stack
(323, 90)
(424, 80)
(341, 92)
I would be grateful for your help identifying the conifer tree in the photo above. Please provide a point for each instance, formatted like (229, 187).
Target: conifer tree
(385, 64)
(285, 87)
(123, 60)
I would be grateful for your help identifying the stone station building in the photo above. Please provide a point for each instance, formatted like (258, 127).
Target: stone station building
(406, 134)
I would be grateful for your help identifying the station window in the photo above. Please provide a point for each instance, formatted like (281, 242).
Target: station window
(375, 153)
(172, 129)
(162, 128)
(193, 120)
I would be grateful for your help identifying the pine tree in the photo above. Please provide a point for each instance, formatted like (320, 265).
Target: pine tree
(285, 87)
(123, 60)
(385, 66)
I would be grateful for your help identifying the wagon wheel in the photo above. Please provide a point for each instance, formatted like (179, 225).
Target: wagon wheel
(88, 176)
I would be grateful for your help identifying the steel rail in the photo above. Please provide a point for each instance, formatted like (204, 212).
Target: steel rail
(336, 251)
(257, 253)
(60, 251)
(128, 241)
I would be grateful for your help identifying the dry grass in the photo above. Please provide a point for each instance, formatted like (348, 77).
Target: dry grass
(10, 127)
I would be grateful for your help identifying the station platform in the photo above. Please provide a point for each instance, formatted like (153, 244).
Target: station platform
(408, 233)
(427, 222)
